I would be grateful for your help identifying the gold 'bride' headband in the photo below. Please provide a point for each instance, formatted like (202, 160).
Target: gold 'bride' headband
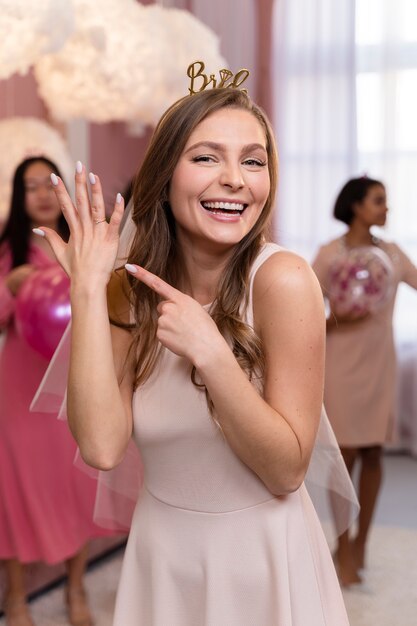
(196, 71)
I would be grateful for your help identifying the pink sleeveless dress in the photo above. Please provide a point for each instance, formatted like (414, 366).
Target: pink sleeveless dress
(46, 504)
(360, 386)
(209, 545)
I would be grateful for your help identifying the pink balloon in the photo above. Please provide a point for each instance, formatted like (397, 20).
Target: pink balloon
(361, 282)
(43, 309)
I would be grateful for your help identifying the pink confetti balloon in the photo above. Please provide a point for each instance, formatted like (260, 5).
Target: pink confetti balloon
(43, 309)
(361, 282)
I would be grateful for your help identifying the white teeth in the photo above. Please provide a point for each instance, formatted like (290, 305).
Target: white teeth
(224, 206)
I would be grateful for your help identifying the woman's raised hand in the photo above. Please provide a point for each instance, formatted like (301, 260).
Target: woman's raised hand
(17, 276)
(92, 247)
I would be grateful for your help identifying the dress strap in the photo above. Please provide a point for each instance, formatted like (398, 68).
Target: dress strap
(267, 250)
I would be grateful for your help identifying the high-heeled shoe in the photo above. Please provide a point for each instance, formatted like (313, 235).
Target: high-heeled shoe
(16, 611)
(79, 613)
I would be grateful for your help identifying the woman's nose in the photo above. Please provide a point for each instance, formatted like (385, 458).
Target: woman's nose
(231, 176)
(44, 191)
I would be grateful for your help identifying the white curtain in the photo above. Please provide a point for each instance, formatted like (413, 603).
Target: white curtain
(346, 104)
(314, 90)
(345, 76)
(386, 78)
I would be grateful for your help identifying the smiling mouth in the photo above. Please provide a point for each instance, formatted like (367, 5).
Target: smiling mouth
(224, 208)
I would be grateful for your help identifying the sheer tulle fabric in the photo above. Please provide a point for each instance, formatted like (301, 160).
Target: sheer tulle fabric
(118, 489)
(327, 479)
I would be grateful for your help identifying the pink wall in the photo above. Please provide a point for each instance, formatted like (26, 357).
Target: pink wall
(264, 40)
(115, 156)
(18, 96)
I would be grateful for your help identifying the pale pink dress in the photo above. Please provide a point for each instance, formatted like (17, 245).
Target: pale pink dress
(46, 504)
(360, 387)
(209, 545)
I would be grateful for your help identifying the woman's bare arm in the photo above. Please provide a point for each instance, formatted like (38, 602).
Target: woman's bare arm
(99, 397)
(100, 383)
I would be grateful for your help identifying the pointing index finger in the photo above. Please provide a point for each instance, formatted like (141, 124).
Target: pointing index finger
(166, 291)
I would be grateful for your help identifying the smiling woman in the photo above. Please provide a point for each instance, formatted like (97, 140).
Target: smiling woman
(224, 399)
(223, 169)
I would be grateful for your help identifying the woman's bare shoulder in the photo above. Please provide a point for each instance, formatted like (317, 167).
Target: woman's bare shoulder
(285, 272)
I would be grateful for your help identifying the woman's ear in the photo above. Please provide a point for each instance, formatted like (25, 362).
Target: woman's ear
(118, 304)
(356, 209)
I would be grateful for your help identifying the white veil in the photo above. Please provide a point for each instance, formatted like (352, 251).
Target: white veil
(117, 489)
(327, 479)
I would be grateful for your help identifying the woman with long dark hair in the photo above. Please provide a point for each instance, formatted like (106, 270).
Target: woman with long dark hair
(46, 504)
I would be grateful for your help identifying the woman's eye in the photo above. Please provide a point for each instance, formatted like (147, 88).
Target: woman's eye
(203, 158)
(255, 162)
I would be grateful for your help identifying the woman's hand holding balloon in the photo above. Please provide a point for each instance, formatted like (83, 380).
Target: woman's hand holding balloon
(335, 321)
(92, 247)
(17, 277)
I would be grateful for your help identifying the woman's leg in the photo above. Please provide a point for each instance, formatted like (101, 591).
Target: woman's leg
(78, 612)
(369, 485)
(15, 606)
(346, 564)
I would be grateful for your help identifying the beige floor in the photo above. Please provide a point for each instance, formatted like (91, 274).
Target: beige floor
(388, 595)
(101, 582)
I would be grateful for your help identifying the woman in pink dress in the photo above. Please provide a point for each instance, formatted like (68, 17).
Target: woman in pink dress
(46, 504)
(213, 362)
(360, 359)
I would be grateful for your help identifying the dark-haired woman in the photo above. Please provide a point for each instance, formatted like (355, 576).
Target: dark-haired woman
(360, 360)
(45, 502)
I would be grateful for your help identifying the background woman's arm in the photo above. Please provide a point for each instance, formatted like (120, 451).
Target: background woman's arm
(10, 282)
(408, 269)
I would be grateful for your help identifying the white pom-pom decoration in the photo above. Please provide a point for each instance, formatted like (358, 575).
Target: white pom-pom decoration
(124, 62)
(24, 137)
(30, 29)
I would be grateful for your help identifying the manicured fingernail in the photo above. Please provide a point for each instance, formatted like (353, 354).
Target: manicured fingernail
(79, 167)
(54, 179)
(131, 268)
(119, 198)
(38, 231)
(92, 178)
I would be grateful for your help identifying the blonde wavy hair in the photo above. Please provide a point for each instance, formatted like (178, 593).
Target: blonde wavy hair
(155, 245)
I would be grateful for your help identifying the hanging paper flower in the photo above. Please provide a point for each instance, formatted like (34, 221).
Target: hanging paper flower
(30, 29)
(125, 61)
